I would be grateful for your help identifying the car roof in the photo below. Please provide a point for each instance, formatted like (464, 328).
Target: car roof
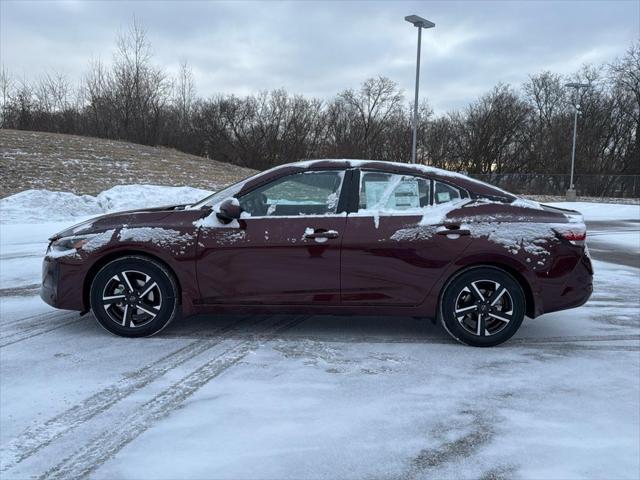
(463, 181)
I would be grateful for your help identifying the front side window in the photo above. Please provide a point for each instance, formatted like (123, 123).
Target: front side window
(389, 192)
(307, 193)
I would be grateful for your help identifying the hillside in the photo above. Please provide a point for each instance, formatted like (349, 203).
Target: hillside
(86, 165)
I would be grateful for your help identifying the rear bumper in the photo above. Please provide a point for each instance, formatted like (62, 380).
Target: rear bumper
(573, 290)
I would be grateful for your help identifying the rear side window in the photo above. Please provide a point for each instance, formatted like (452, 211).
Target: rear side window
(444, 193)
(389, 192)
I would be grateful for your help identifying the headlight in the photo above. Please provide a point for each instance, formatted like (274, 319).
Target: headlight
(70, 243)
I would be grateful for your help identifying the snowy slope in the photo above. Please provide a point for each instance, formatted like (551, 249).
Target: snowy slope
(87, 165)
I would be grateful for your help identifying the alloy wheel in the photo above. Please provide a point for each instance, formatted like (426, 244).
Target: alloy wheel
(484, 307)
(131, 298)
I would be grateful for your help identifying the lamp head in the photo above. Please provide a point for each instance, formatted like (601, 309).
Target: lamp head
(419, 21)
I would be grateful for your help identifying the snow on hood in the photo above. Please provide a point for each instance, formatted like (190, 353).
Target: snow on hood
(37, 206)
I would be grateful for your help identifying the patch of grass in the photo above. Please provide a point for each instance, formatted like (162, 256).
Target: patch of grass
(87, 165)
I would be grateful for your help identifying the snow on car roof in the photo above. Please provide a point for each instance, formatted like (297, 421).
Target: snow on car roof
(364, 163)
(439, 172)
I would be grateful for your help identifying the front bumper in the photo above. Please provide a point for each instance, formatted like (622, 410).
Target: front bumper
(50, 277)
(62, 284)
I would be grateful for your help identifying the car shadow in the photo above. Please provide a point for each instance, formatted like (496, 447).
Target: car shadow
(329, 328)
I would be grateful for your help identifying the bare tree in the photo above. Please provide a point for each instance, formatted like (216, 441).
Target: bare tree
(368, 110)
(624, 74)
(489, 134)
(184, 94)
(140, 89)
(98, 98)
(6, 90)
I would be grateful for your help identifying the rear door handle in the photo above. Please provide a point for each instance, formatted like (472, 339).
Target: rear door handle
(454, 231)
(322, 234)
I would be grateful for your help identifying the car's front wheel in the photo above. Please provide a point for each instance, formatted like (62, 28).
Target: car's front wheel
(134, 296)
(482, 307)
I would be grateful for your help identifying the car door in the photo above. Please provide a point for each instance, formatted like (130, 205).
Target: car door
(395, 246)
(284, 250)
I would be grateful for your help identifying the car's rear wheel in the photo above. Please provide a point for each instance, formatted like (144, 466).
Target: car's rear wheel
(134, 296)
(482, 307)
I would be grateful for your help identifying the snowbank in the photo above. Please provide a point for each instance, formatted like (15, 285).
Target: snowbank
(36, 206)
(126, 197)
(42, 205)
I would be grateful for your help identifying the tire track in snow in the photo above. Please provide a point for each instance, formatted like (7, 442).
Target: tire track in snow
(19, 255)
(32, 318)
(35, 438)
(104, 446)
(574, 338)
(608, 348)
(476, 430)
(35, 319)
(434, 340)
(22, 291)
(30, 327)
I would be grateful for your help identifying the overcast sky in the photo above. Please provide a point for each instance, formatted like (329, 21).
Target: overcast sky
(320, 48)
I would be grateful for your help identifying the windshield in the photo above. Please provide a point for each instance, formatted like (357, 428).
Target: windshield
(220, 195)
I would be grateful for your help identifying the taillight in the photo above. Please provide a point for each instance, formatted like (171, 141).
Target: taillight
(575, 236)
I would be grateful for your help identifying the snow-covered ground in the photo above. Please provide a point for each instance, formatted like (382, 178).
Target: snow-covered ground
(593, 211)
(318, 396)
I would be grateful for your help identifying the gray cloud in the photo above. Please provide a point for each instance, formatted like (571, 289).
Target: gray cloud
(320, 48)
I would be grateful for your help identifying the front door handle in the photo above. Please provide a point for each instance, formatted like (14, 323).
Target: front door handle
(314, 234)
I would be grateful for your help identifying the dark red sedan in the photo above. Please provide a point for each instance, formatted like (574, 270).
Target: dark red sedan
(330, 237)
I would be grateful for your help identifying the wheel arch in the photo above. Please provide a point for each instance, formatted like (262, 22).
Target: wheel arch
(530, 303)
(109, 257)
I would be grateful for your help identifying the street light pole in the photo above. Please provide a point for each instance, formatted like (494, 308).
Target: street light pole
(414, 141)
(420, 23)
(573, 149)
(571, 193)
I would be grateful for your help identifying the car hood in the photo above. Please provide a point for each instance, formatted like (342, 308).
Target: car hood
(145, 217)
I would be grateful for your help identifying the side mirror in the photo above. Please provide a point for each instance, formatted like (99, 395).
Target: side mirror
(229, 210)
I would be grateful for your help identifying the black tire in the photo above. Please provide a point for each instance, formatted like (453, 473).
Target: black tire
(482, 307)
(134, 296)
